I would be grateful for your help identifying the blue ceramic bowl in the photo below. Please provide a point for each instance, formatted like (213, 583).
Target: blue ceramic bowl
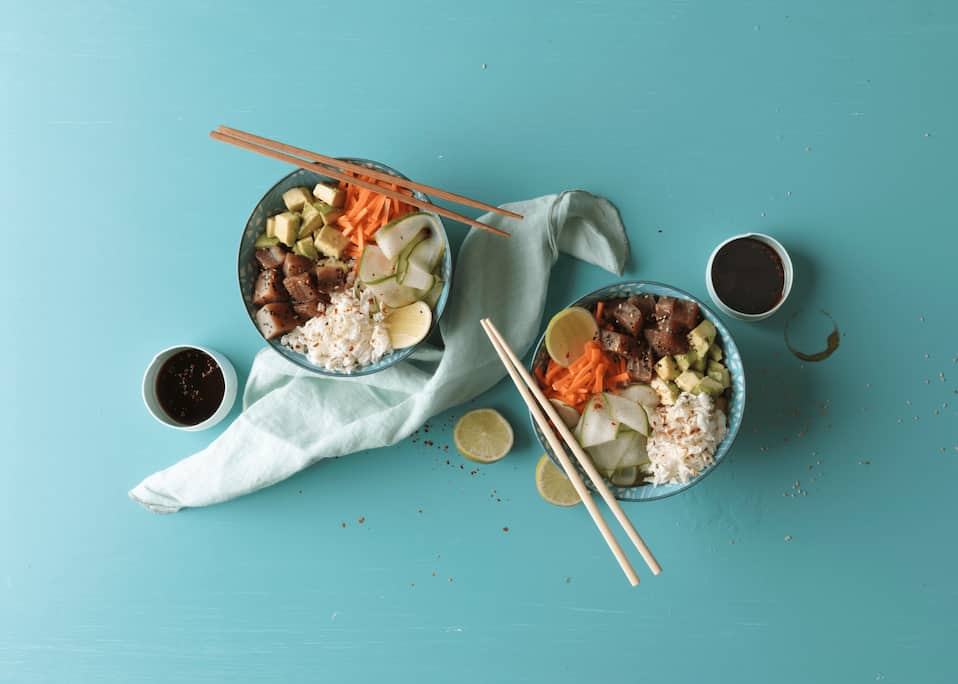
(732, 360)
(248, 268)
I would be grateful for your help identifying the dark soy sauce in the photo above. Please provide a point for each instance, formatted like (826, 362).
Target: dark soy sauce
(190, 386)
(748, 276)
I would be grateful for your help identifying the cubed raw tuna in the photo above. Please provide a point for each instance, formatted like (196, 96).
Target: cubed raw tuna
(641, 367)
(627, 316)
(296, 264)
(663, 310)
(276, 319)
(666, 343)
(268, 288)
(329, 278)
(301, 288)
(685, 316)
(646, 304)
(617, 343)
(271, 257)
(312, 309)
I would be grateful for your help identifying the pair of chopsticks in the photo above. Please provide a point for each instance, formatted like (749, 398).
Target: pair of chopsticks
(335, 168)
(538, 403)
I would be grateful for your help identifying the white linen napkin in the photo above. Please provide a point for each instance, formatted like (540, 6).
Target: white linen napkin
(292, 418)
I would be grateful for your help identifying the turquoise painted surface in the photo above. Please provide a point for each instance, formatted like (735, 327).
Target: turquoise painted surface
(830, 126)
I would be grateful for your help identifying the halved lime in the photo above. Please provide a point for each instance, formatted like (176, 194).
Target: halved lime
(568, 332)
(408, 325)
(483, 435)
(553, 485)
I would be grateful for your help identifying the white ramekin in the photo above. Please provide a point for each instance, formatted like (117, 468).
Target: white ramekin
(786, 288)
(153, 403)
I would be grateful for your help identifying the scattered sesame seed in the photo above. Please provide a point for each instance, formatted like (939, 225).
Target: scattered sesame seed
(788, 537)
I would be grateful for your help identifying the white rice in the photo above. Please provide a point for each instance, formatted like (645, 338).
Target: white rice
(683, 438)
(346, 336)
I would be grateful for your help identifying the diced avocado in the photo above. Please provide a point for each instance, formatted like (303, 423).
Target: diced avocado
(720, 374)
(687, 360)
(271, 226)
(331, 216)
(667, 368)
(699, 364)
(329, 194)
(668, 391)
(688, 380)
(702, 336)
(331, 242)
(295, 198)
(708, 386)
(312, 219)
(715, 352)
(307, 248)
(265, 240)
(287, 228)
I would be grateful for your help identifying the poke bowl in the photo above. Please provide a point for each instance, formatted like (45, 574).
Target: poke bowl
(341, 281)
(656, 392)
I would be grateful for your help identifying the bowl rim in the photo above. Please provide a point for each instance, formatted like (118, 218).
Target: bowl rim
(724, 446)
(393, 357)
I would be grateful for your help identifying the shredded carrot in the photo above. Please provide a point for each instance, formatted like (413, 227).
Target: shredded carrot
(619, 379)
(599, 309)
(599, 377)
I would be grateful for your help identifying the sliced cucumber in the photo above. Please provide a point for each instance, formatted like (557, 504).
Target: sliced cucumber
(416, 278)
(432, 297)
(626, 477)
(429, 251)
(392, 294)
(374, 267)
(635, 453)
(642, 394)
(567, 413)
(628, 413)
(398, 233)
(596, 426)
(608, 455)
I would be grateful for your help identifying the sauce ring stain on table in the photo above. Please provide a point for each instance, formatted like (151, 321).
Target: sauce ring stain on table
(832, 342)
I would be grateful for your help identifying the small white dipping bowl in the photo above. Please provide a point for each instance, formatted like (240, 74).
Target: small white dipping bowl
(786, 266)
(153, 403)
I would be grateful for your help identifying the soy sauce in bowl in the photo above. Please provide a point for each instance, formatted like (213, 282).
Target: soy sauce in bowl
(749, 276)
(190, 386)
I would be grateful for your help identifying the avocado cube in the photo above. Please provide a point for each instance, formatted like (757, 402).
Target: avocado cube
(699, 364)
(667, 369)
(689, 380)
(287, 228)
(264, 240)
(295, 198)
(331, 216)
(331, 242)
(312, 220)
(271, 226)
(708, 386)
(687, 360)
(306, 248)
(715, 352)
(668, 391)
(702, 336)
(720, 374)
(329, 194)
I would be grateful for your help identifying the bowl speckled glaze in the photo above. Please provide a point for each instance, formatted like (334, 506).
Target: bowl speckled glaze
(732, 360)
(248, 268)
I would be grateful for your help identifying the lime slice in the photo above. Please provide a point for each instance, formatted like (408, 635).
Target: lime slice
(483, 435)
(408, 325)
(553, 485)
(567, 333)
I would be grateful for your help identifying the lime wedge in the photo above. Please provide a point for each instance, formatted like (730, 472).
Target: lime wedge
(568, 332)
(408, 325)
(483, 435)
(553, 485)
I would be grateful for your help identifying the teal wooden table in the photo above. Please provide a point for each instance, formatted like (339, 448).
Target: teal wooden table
(823, 550)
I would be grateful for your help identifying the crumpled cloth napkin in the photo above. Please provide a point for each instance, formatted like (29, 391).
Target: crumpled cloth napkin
(292, 418)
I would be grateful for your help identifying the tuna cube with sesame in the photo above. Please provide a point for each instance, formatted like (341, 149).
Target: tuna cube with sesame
(268, 288)
(301, 287)
(276, 319)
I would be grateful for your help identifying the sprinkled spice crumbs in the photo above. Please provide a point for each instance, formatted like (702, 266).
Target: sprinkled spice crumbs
(361, 521)
(505, 529)
(788, 537)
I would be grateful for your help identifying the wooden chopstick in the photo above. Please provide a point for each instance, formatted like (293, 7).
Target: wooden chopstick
(583, 458)
(333, 173)
(372, 173)
(502, 349)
